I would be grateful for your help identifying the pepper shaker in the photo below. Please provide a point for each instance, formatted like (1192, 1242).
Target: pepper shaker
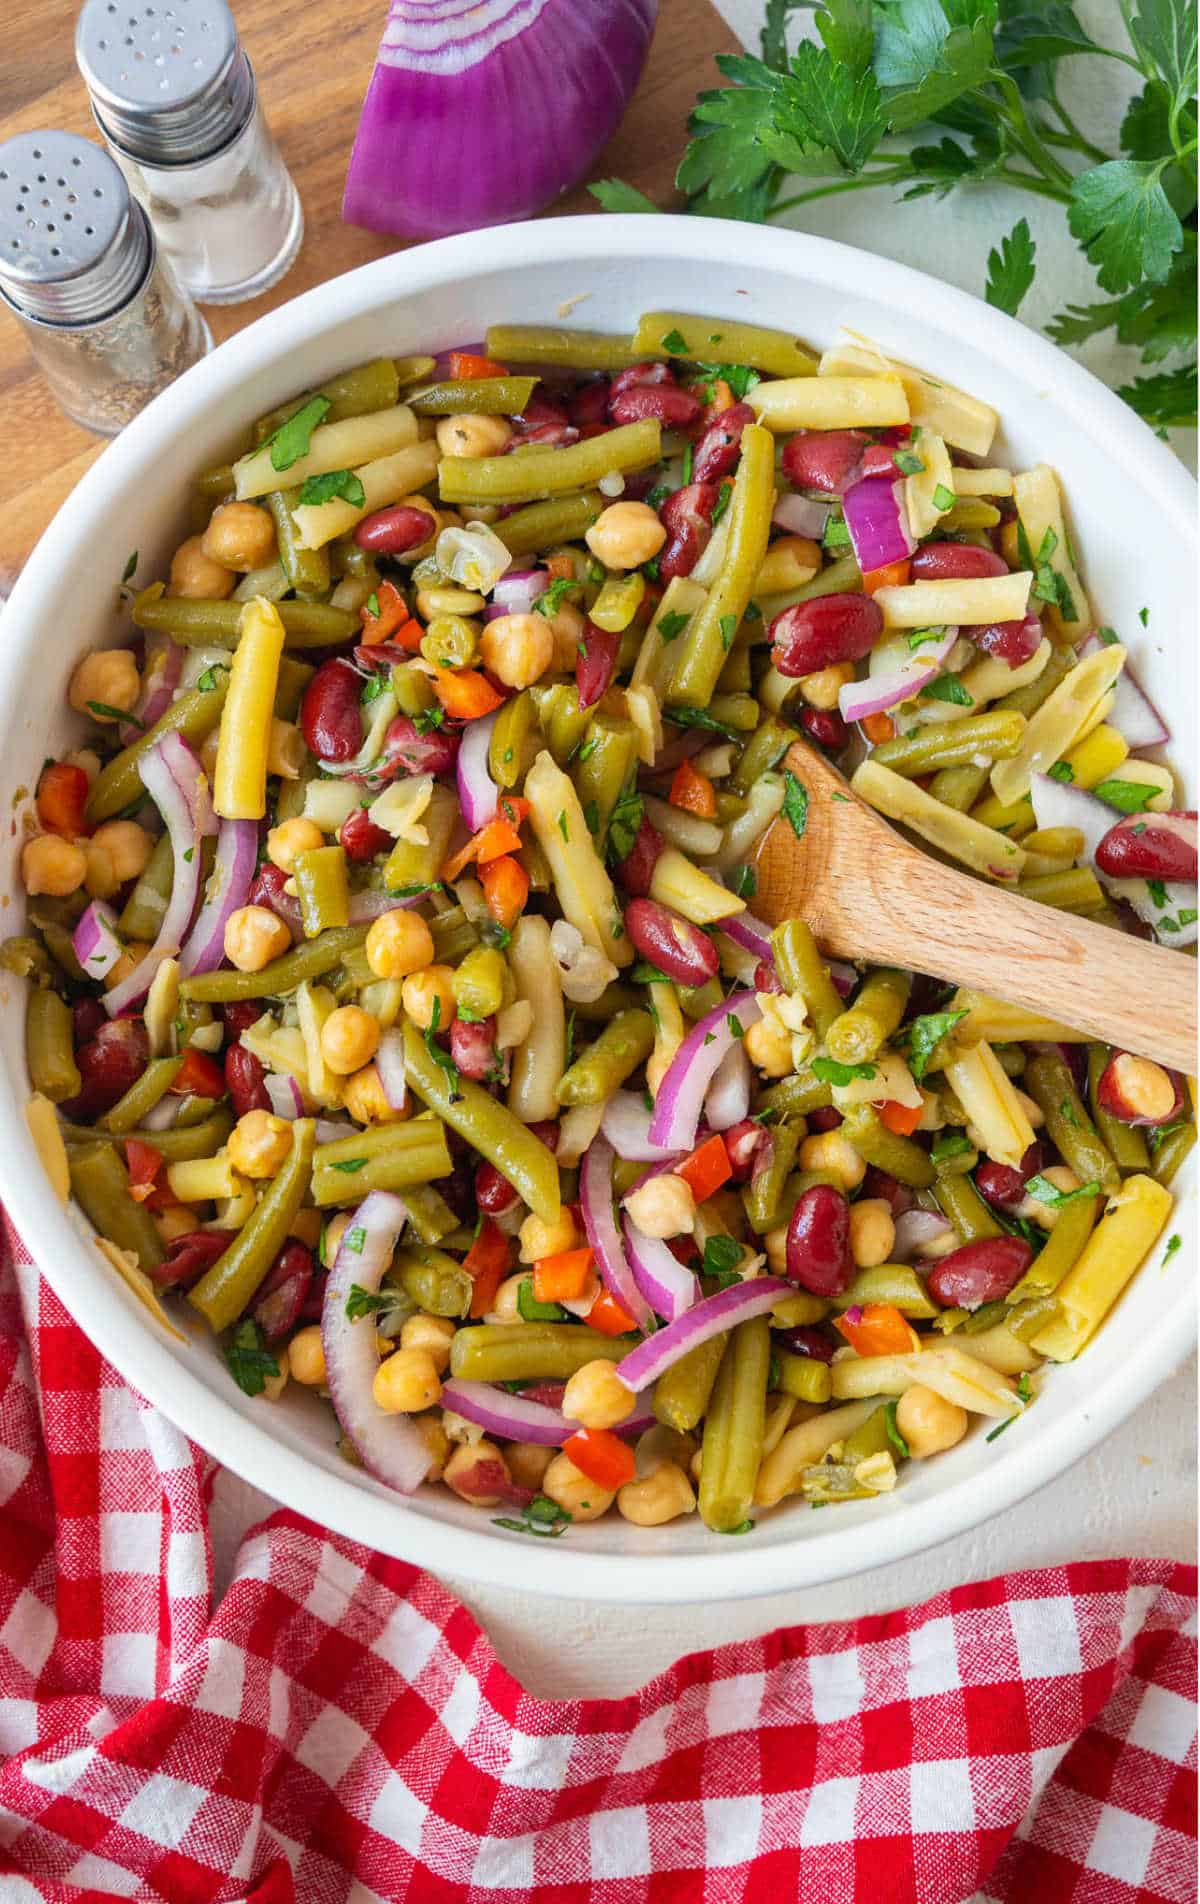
(173, 93)
(105, 319)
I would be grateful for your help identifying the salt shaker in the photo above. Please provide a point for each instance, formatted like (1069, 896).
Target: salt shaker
(174, 95)
(105, 319)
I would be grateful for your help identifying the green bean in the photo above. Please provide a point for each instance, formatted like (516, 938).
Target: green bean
(479, 983)
(959, 1164)
(141, 1097)
(681, 1395)
(453, 935)
(869, 1438)
(197, 624)
(976, 1321)
(802, 970)
(433, 1280)
(1075, 890)
(959, 787)
(308, 570)
(1061, 1250)
(27, 957)
(281, 975)
(696, 1001)
(545, 344)
(323, 888)
(231, 1284)
(605, 1065)
(182, 1144)
(1050, 1084)
(763, 1196)
(613, 999)
(100, 1186)
(603, 768)
(294, 677)
(50, 1047)
(1028, 1319)
(194, 715)
(953, 744)
(735, 676)
(860, 1032)
(878, 1145)
(429, 1213)
(385, 1157)
(474, 396)
(515, 741)
(958, 1199)
(413, 691)
(842, 577)
(763, 751)
(358, 392)
(1126, 1142)
(803, 1376)
(893, 1283)
(537, 474)
(216, 483)
(530, 1351)
(543, 524)
(1171, 1150)
(146, 904)
(708, 639)
(1028, 699)
(722, 341)
(798, 1095)
(734, 1427)
(562, 721)
(491, 1128)
(741, 711)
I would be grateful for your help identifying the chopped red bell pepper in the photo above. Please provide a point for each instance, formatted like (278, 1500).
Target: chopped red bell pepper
(901, 1118)
(198, 1076)
(487, 1263)
(61, 797)
(467, 366)
(706, 1169)
(602, 1456)
(607, 1315)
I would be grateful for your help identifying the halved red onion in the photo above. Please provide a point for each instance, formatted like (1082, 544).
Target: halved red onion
(286, 1097)
(158, 686)
(727, 1100)
(596, 1204)
(95, 940)
(1058, 803)
(516, 592)
(228, 889)
(1133, 713)
(668, 1285)
(477, 791)
(626, 1124)
(914, 1230)
(707, 1318)
(178, 785)
(389, 1446)
(877, 522)
(389, 1062)
(680, 1097)
(500, 1413)
(887, 688)
(801, 515)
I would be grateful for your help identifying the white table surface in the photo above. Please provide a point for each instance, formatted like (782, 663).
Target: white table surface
(1134, 1495)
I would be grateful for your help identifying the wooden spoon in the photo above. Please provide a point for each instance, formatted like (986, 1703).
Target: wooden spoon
(868, 894)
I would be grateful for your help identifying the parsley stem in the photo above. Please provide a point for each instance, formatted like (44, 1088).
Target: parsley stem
(891, 175)
(1023, 135)
(1075, 136)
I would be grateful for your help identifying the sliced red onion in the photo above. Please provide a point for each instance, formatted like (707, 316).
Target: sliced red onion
(751, 934)
(844, 976)
(914, 1230)
(286, 1097)
(704, 1319)
(1133, 713)
(516, 592)
(228, 889)
(727, 1100)
(877, 522)
(164, 1115)
(370, 904)
(500, 1413)
(668, 1285)
(389, 1446)
(95, 940)
(178, 785)
(596, 1204)
(680, 1097)
(158, 686)
(389, 1062)
(883, 690)
(681, 747)
(801, 515)
(626, 1125)
(331, 1130)
(477, 791)
(1058, 803)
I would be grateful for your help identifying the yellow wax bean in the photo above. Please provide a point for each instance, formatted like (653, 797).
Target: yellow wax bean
(829, 403)
(244, 740)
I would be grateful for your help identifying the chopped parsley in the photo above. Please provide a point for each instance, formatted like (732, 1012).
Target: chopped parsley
(542, 1517)
(722, 502)
(944, 498)
(1108, 637)
(734, 1025)
(722, 1254)
(925, 1034)
(531, 1310)
(1062, 770)
(830, 1071)
(549, 602)
(366, 1302)
(644, 973)
(428, 719)
(373, 605)
(700, 717)
(128, 572)
(687, 464)
(441, 1058)
(671, 625)
(947, 687)
(292, 439)
(674, 342)
(372, 689)
(743, 880)
(1144, 617)
(893, 1433)
(1042, 1191)
(563, 828)
(1157, 891)
(1173, 1243)
(334, 483)
(104, 712)
(795, 803)
(728, 626)
(207, 681)
(908, 463)
(740, 378)
(836, 536)
(625, 822)
(247, 1358)
(920, 636)
(350, 1164)
(1128, 796)
(949, 1143)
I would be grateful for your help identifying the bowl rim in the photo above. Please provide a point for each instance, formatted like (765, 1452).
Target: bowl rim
(144, 1357)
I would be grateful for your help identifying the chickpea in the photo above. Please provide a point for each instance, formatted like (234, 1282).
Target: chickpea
(470, 435)
(289, 839)
(775, 1244)
(407, 1382)
(127, 844)
(625, 535)
(872, 1232)
(421, 989)
(175, 1220)
(1033, 1112)
(197, 576)
(539, 1238)
(517, 648)
(398, 943)
(790, 562)
(662, 1496)
(366, 1099)
(663, 1207)
(240, 535)
(769, 1047)
(504, 1302)
(822, 688)
(437, 1441)
(433, 1334)
(335, 1229)
(286, 750)
(259, 1144)
(582, 1499)
(596, 1396)
(306, 1227)
(474, 1471)
(108, 678)
(349, 1039)
(52, 865)
(830, 1151)
(101, 875)
(253, 937)
(306, 1357)
(927, 1422)
(527, 1463)
(566, 630)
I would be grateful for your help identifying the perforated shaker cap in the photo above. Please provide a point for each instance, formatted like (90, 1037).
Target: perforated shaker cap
(168, 80)
(73, 245)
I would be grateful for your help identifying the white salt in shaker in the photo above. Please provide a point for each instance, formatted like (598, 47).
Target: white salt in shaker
(173, 93)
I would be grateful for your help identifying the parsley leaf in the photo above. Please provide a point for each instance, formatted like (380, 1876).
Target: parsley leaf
(616, 196)
(947, 687)
(728, 627)
(743, 880)
(625, 822)
(104, 712)
(795, 803)
(671, 625)
(1043, 1191)
(908, 462)
(830, 1071)
(949, 1143)
(1164, 401)
(1173, 1243)
(428, 719)
(1128, 796)
(1061, 770)
(292, 439)
(1011, 269)
(130, 569)
(441, 1058)
(722, 1254)
(893, 1433)
(334, 482)
(549, 602)
(367, 1302)
(1122, 216)
(684, 716)
(675, 343)
(925, 1034)
(542, 1517)
(247, 1358)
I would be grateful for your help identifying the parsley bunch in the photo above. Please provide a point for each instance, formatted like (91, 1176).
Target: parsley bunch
(927, 95)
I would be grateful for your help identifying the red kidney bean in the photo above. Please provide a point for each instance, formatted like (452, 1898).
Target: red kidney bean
(636, 870)
(550, 1394)
(980, 1272)
(687, 518)
(637, 376)
(674, 408)
(823, 459)
(1150, 846)
(314, 1301)
(267, 890)
(405, 751)
(825, 1118)
(109, 1064)
(677, 947)
(826, 727)
(245, 1081)
(748, 1146)
(331, 711)
(1002, 1186)
(596, 663)
(493, 1192)
(877, 1183)
(818, 1242)
(551, 436)
(803, 1339)
(878, 459)
(188, 1257)
(955, 562)
(718, 449)
(1013, 641)
(281, 1298)
(238, 1016)
(395, 530)
(813, 635)
(766, 978)
(541, 412)
(473, 1047)
(87, 1016)
(589, 404)
(360, 839)
(1137, 1091)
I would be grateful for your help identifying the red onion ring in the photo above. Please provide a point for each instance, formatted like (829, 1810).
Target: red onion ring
(389, 1446)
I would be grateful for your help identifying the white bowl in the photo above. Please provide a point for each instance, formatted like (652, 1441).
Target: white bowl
(1132, 509)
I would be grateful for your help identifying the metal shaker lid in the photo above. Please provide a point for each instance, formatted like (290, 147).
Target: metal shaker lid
(169, 81)
(73, 245)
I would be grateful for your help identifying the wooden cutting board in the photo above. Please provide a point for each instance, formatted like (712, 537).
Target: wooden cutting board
(313, 61)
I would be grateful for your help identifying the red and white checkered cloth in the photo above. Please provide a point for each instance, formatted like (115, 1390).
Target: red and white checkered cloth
(340, 1731)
